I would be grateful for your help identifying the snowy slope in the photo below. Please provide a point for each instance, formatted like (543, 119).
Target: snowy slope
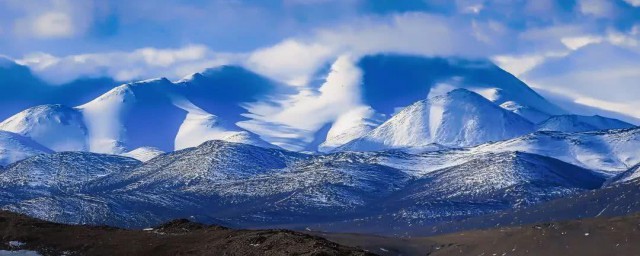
(485, 183)
(577, 123)
(632, 174)
(503, 176)
(66, 187)
(611, 151)
(15, 147)
(459, 118)
(153, 113)
(57, 127)
(143, 154)
(63, 172)
(200, 168)
(133, 115)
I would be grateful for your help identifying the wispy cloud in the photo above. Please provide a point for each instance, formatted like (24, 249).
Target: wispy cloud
(125, 66)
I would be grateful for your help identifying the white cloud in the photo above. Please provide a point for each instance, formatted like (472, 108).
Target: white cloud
(52, 24)
(634, 3)
(621, 39)
(517, 65)
(296, 59)
(290, 61)
(308, 110)
(602, 75)
(635, 30)
(597, 8)
(472, 9)
(51, 18)
(124, 66)
(628, 108)
(168, 57)
(578, 42)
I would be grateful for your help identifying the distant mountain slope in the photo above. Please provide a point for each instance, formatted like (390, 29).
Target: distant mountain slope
(484, 184)
(203, 167)
(64, 172)
(577, 123)
(15, 147)
(249, 186)
(458, 118)
(518, 178)
(593, 236)
(618, 199)
(611, 151)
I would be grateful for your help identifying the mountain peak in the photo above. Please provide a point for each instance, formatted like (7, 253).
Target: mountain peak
(458, 118)
(420, 76)
(463, 94)
(216, 73)
(158, 80)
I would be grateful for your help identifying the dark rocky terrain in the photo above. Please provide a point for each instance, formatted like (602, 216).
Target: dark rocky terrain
(596, 236)
(179, 237)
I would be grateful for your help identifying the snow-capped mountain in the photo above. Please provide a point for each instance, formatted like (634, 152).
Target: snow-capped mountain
(153, 113)
(458, 118)
(15, 147)
(57, 127)
(131, 116)
(611, 151)
(393, 81)
(216, 104)
(577, 123)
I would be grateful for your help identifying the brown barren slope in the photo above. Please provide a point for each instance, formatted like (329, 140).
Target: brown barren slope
(179, 237)
(598, 236)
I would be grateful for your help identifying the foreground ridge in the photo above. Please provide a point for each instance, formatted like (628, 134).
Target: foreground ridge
(19, 232)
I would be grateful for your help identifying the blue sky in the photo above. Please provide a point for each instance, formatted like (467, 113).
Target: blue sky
(75, 27)
(584, 51)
